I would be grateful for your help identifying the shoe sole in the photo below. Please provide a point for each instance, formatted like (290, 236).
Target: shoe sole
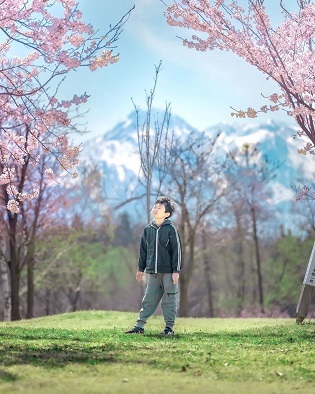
(137, 333)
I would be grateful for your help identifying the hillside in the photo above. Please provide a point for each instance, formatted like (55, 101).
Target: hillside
(88, 352)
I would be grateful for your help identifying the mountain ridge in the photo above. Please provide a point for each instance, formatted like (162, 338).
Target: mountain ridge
(117, 151)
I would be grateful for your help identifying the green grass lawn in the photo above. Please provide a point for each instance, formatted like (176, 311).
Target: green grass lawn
(88, 352)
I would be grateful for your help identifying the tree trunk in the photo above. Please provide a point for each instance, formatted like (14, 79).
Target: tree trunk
(14, 269)
(5, 290)
(258, 262)
(185, 279)
(5, 278)
(148, 202)
(30, 289)
(74, 294)
(74, 298)
(47, 301)
(183, 296)
(183, 304)
(15, 287)
(207, 268)
(240, 264)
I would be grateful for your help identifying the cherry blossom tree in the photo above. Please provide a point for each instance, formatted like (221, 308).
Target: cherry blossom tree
(53, 41)
(195, 180)
(21, 231)
(284, 53)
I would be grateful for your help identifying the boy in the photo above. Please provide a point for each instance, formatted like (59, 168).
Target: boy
(160, 257)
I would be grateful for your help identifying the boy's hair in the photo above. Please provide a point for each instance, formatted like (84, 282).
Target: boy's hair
(168, 204)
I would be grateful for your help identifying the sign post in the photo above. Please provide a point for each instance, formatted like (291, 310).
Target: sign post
(308, 289)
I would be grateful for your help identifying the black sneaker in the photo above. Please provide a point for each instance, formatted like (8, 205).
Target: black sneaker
(135, 330)
(167, 331)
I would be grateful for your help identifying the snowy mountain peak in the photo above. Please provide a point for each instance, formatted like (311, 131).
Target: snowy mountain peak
(117, 150)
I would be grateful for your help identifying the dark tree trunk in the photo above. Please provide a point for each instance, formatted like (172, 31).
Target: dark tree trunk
(258, 262)
(4, 277)
(14, 268)
(74, 298)
(183, 304)
(185, 279)
(15, 288)
(47, 301)
(74, 294)
(241, 265)
(207, 268)
(30, 289)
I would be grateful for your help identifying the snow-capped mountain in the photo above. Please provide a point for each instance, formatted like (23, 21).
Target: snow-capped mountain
(279, 143)
(117, 152)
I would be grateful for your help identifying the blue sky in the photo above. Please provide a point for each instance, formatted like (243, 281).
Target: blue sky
(200, 86)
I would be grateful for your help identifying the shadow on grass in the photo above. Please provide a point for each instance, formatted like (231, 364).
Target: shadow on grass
(57, 348)
(53, 356)
(6, 376)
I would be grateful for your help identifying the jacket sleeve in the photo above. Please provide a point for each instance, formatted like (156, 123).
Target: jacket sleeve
(176, 250)
(143, 254)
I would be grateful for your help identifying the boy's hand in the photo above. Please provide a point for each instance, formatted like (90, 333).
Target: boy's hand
(175, 277)
(139, 275)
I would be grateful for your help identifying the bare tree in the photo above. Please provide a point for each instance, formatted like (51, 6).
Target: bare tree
(249, 179)
(154, 144)
(195, 179)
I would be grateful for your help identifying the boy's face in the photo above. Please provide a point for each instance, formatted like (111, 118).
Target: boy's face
(158, 212)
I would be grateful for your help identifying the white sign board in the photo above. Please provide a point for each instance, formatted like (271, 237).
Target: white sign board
(309, 278)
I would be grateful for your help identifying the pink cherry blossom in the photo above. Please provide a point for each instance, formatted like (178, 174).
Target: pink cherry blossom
(13, 206)
(54, 41)
(284, 53)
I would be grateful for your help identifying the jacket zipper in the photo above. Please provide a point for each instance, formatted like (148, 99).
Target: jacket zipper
(156, 249)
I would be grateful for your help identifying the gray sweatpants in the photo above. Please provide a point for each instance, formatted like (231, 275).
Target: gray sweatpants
(159, 287)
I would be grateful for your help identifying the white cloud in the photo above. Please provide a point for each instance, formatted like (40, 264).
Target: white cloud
(280, 194)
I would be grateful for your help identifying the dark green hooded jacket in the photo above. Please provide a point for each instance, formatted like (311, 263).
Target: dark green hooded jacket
(160, 249)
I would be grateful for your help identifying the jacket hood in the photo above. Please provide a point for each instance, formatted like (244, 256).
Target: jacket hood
(166, 221)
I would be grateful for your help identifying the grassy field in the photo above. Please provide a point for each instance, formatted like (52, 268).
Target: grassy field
(88, 352)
